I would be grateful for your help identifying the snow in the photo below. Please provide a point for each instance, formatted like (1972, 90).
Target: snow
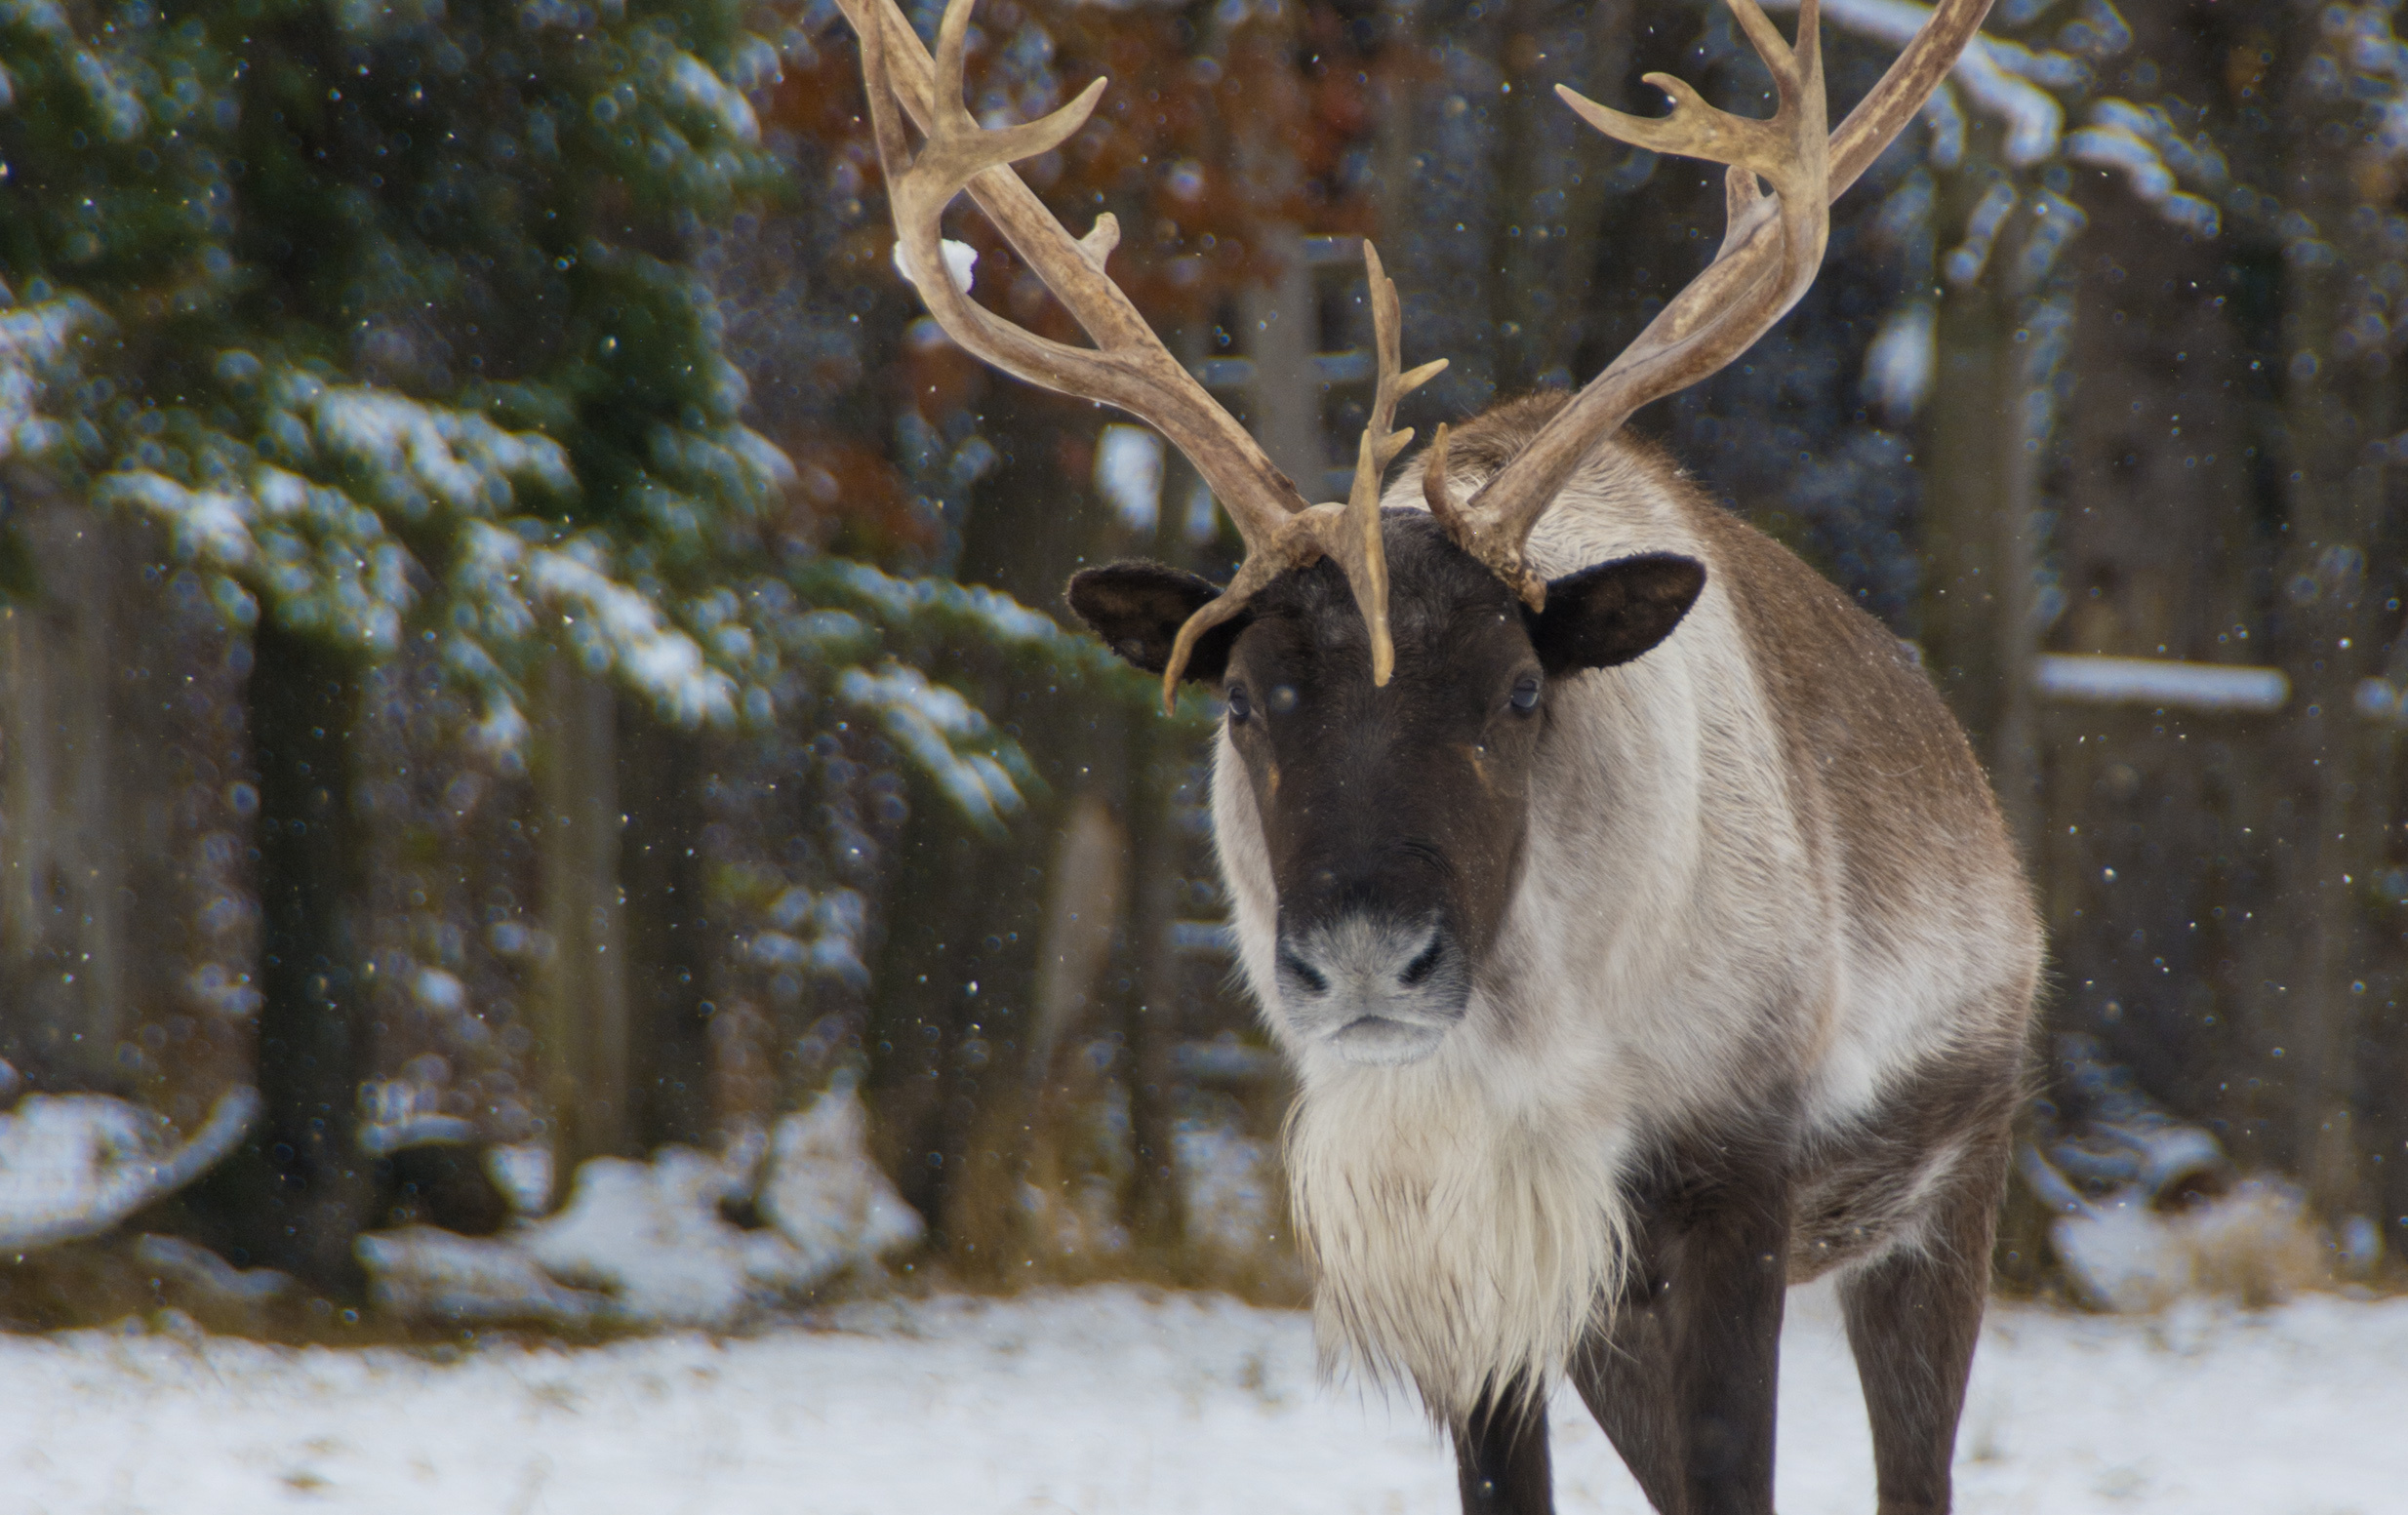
(523, 1173)
(610, 622)
(651, 1243)
(990, 613)
(693, 85)
(2143, 144)
(73, 1165)
(825, 1195)
(212, 1274)
(840, 917)
(2005, 79)
(2125, 1256)
(1965, 262)
(961, 261)
(2160, 682)
(1899, 361)
(411, 453)
(926, 719)
(1129, 475)
(1115, 1399)
(34, 350)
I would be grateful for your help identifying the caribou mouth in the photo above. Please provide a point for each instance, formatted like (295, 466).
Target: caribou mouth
(1383, 1041)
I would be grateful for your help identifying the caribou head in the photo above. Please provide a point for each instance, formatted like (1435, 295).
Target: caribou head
(1386, 672)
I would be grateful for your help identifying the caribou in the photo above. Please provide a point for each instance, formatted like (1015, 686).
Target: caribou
(1640, 925)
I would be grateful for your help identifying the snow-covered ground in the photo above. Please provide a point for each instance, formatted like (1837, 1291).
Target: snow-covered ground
(1115, 1399)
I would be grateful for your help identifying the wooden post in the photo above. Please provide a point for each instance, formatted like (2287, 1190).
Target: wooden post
(1966, 565)
(63, 1008)
(581, 1020)
(310, 1189)
(1156, 1207)
(1283, 331)
(667, 926)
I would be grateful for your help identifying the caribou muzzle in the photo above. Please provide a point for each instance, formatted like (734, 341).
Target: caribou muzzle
(1373, 989)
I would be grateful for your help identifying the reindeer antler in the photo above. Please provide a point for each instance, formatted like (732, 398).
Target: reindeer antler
(1128, 367)
(1771, 249)
(1349, 532)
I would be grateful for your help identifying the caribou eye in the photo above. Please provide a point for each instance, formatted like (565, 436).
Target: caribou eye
(1240, 706)
(1526, 693)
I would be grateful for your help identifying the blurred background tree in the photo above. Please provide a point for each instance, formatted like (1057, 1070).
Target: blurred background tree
(517, 631)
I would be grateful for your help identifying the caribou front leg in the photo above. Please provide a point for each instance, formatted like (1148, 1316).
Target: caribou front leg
(1683, 1378)
(1501, 1460)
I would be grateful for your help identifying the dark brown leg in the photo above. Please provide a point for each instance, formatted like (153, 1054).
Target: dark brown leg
(1501, 1460)
(1913, 1318)
(1684, 1378)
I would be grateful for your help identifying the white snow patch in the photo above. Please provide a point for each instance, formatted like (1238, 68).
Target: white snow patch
(926, 720)
(523, 1173)
(995, 615)
(1232, 1205)
(613, 623)
(72, 1166)
(2160, 682)
(1901, 360)
(1966, 260)
(2124, 136)
(1129, 475)
(1140, 1404)
(649, 1244)
(961, 261)
(196, 1265)
(33, 353)
(2255, 1245)
(411, 452)
(211, 526)
(824, 1195)
(693, 85)
(652, 1237)
(423, 1273)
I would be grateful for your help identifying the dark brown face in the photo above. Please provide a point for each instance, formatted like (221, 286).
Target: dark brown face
(1395, 816)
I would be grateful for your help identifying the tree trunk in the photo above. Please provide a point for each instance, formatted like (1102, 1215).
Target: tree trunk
(582, 1020)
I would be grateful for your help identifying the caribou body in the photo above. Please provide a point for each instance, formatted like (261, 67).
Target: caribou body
(1640, 925)
(1700, 968)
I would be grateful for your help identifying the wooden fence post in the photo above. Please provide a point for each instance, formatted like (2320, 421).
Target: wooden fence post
(62, 962)
(581, 995)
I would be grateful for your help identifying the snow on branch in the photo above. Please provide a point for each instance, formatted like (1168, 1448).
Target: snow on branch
(613, 624)
(2219, 688)
(693, 87)
(929, 723)
(1900, 363)
(33, 348)
(72, 1166)
(2152, 157)
(412, 454)
(2003, 78)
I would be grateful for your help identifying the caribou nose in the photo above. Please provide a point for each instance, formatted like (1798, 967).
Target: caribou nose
(1374, 990)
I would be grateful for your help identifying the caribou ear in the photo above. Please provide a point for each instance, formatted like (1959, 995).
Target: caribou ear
(1137, 609)
(1614, 612)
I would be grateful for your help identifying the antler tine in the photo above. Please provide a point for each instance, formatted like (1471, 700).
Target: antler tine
(1356, 541)
(1349, 532)
(1771, 249)
(1386, 326)
(1128, 367)
(1761, 271)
